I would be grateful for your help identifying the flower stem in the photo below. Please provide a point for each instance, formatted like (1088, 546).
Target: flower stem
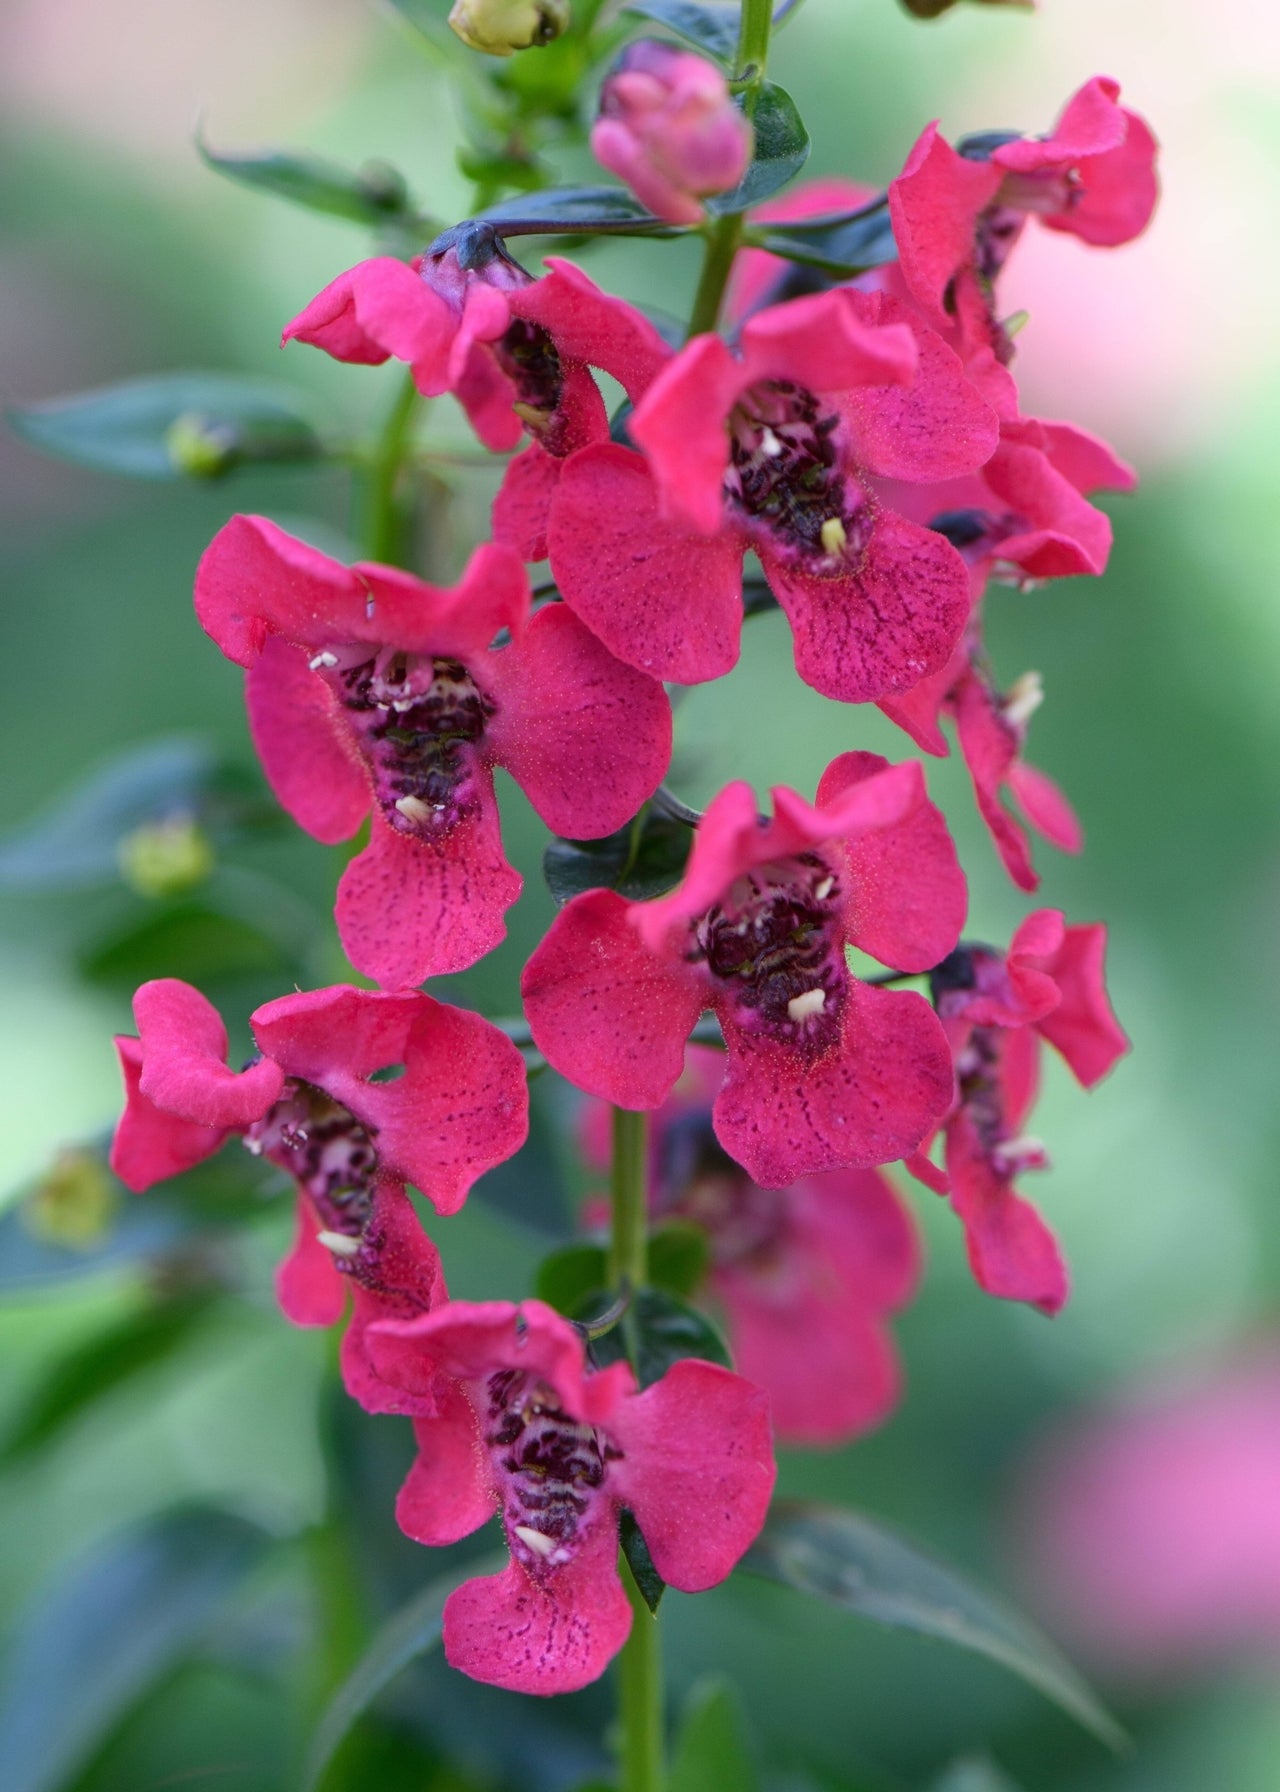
(384, 521)
(640, 1696)
(629, 1242)
(753, 41)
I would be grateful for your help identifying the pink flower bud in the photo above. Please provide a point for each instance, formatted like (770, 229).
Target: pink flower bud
(669, 128)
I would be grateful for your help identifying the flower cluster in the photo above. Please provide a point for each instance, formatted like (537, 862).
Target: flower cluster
(862, 437)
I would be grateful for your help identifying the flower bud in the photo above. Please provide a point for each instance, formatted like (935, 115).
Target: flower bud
(166, 857)
(499, 27)
(669, 128)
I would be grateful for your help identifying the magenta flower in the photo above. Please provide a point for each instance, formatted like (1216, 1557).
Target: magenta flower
(806, 1277)
(774, 447)
(369, 691)
(311, 1103)
(995, 1008)
(957, 217)
(824, 1072)
(523, 1425)
(669, 128)
(514, 351)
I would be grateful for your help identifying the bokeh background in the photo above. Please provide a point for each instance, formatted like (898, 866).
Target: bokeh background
(121, 255)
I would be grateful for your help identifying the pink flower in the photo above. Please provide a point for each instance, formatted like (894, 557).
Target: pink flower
(669, 128)
(806, 1276)
(774, 447)
(371, 691)
(956, 217)
(824, 1072)
(995, 1008)
(515, 352)
(312, 1104)
(522, 1425)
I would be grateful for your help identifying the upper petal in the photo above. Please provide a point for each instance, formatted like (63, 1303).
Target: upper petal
(184, 1060)
(151, 1144)
(681, 425)
(306, 751)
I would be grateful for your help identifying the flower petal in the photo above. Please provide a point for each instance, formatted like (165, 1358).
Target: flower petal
(184, 1060)
(151, 1144)
(306, 751)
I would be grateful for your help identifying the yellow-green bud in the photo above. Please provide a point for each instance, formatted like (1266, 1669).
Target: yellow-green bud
(499, 27)
(73, 1202)
(200, 445)
(163, 858)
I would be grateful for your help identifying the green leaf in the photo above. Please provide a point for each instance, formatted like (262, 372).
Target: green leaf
(843, 243)
(102, 1363)
(649, 1582)
(645, 859)
(572, 211)
(713, 25)
(192, 939)
(974, 1776)
(679, 1255)
(712, 1752)
(407, 1634)
(373, 195)
(111, 1626)
(781, 151)
(657, 1330)
(860, 1564)
(173, 424)
(568, 1278)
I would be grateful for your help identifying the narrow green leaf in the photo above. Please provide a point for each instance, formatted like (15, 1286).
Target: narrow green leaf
(860, 1564)
(373, 195)
(781, 151)
(645, 859)
(974, 1776)
(572, 211)
(571, 1276)
(102, 1363)
(411, 1632)
(649, 1582)
(711, 24)
(679, 1255)
(842, 244)
(112, 1625)
(173, 424)
(712, 1752)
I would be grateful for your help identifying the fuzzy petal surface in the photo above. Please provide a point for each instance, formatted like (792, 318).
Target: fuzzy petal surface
(1083, 1026)
(308, 1286)
(151, 1144)
(935, 203)
(184, 1060)
(449, 1492)
(593, 326)
(832, 342)
(1013, 1254)
(522, 507)
(305, 750)
(681, 426)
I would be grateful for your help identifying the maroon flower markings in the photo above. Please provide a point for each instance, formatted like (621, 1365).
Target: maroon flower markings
(312, 1104)
(515, 352)
(996, 1007)
(824, 1072)
(806, 1277)
(523, 1424)
(774, 447)
(956, 217)
(369, 691)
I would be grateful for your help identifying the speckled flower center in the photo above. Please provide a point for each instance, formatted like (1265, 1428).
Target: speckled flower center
(326, 1150)
(549, 1468)
(698, 1181)
(419, 721)
(773, 946)
(784, 472)
(530, 359)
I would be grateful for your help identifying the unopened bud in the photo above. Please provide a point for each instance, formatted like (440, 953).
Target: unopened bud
(73, 1201)
(202, 446)
(669, 128)
(500, 27)
(164, 858)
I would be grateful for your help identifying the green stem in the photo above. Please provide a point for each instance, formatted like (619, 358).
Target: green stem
(383, 525)
(640, 1696)
(629, 1243)
(753, 41)
(723, 238)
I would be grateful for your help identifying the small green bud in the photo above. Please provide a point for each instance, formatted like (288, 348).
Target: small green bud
(164, 858)
(72, 1203)
(499, 27)
(201, 446)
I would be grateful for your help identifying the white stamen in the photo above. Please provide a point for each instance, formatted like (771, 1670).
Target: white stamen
(835, 536)
(1023, 699)
(322, 659)
(813, 1001)
(769, 443)
(339, 1244)
(824, 889)
(537, 1541)
(414, 809)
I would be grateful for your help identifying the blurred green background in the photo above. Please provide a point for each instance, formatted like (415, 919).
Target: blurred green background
(122, 255)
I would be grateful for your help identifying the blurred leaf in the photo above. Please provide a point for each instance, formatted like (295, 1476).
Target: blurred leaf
(407, 1634)
(781, 151)
(649, 1582)
(559, 211)
(974, 1776)
(856, 1562)
(172, 424)
(110, 1627)
(845, 243)
(76, 839)
(240, 923)
(570, 1276)
(371, 195)
(645, 859)
(679, 1254)
(656, 1331)
(712, 1753)
(713, 25)
(102, 1363)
